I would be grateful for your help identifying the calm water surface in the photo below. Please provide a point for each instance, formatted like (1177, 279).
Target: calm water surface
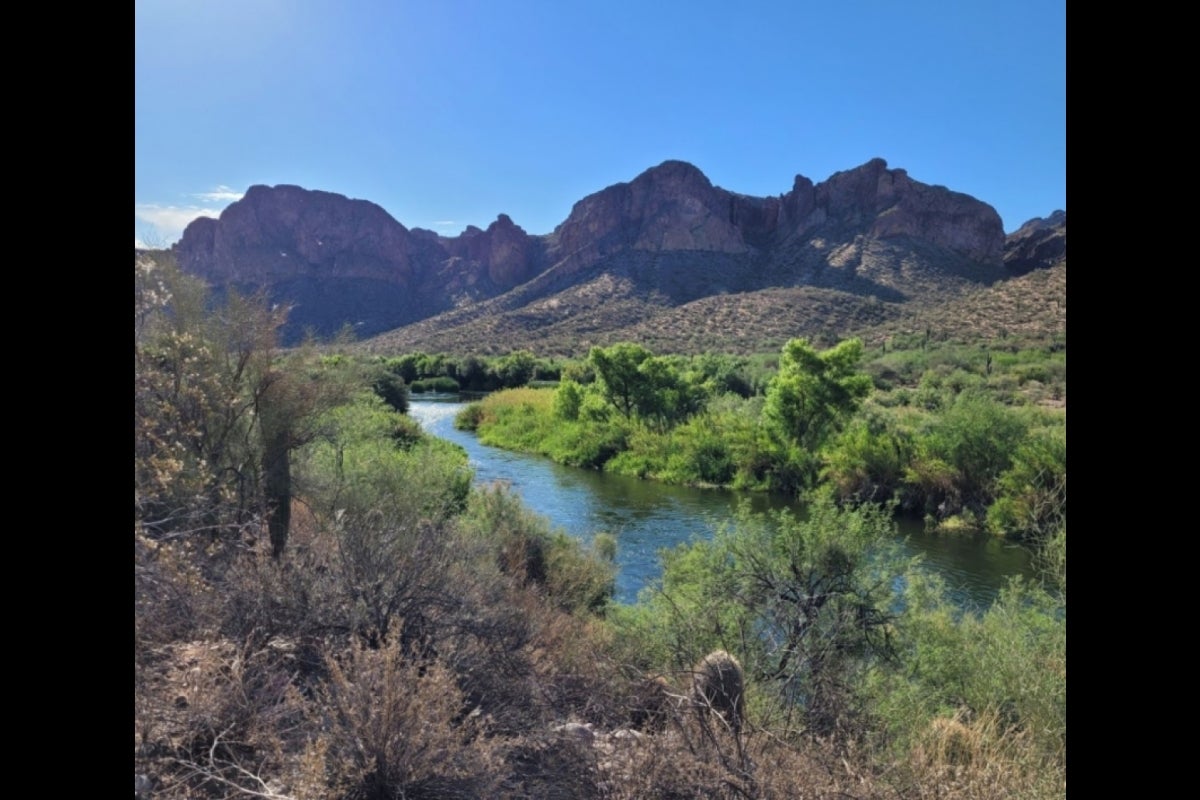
(646, 516)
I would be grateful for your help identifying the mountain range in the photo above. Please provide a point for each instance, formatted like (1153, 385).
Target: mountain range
(669, 254)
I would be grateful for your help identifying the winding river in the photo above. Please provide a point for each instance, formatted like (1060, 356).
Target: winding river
(646, 516)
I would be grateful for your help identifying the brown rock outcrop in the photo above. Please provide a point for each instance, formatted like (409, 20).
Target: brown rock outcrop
(504, 252)
(1038, 244)
(669, 207)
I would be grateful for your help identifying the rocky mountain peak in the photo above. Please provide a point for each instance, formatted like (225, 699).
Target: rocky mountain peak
(669, 207)
(275, 232)
(889, 204)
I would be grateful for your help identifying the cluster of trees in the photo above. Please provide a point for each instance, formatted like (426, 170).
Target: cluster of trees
(425, 372)
(697, 420)
(954, 449)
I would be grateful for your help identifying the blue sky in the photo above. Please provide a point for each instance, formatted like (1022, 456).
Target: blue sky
(449, 112)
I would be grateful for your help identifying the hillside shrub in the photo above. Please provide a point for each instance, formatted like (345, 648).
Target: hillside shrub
(1032, 500)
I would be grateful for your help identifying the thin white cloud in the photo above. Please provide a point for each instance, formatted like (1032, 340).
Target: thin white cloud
(161, 225)
(222, 194)
(166, 223)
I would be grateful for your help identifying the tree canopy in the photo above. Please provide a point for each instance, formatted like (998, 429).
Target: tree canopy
(638, 383)
(814, 393)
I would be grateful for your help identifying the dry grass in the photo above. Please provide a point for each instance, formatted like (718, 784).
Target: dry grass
(979, 757)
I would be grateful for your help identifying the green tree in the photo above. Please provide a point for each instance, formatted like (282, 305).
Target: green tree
(814, 393)
(392, 389)
(568, 398)
(638, 383)
(617, 371)
(473, 375)
(515, 369)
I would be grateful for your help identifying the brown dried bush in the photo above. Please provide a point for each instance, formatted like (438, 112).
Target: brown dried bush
(405, 729)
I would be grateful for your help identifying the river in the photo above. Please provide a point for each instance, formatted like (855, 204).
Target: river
(646, 516)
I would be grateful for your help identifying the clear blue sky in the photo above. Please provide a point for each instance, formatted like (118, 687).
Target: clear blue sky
(449, 112)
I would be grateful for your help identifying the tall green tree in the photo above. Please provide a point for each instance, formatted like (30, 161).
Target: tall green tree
(638, 383)
(814, 393)
(617, 371)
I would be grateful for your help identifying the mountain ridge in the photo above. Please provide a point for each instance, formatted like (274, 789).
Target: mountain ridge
(666, 238)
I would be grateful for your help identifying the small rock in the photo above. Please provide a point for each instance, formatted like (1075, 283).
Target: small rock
(582, 731)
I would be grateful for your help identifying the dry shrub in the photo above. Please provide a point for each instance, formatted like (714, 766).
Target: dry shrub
(980, 757)
(666, 766)
(551, 766)
(172, 597)
(404, 729)
(219, 719)
(653, 703)
(690, 760)
(949, 743)
(572, 663)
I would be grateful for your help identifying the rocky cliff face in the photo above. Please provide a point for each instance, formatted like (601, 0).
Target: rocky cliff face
(504, 253)
(889, 204)
(283, 232)
(670, 207)
(660, 229)
(1039, 243)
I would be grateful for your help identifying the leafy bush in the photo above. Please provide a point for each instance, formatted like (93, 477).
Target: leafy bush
(442, 384)
(393, 390)
(964, 452)
(866, 462)
(1033, 491)
(469, 418)
(373, 460)
(804, 603)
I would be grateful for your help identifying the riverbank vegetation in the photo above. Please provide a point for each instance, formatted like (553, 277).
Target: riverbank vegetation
(326, 607)
(968, 437)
